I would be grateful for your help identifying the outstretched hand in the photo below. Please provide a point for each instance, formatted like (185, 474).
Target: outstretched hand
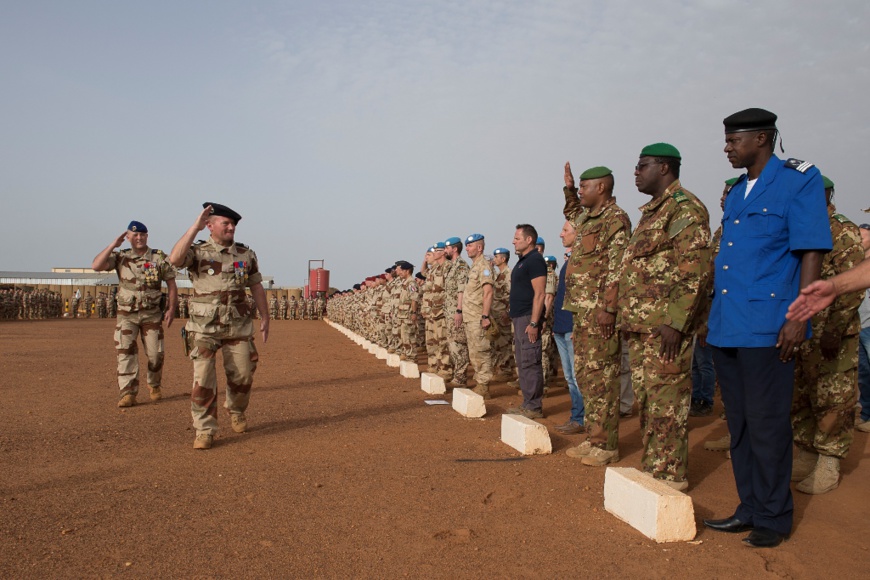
(812, 299)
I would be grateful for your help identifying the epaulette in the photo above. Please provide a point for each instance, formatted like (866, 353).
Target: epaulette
(798, 165)
(199, 242)
(243, 246)
(842, 219)
(679, 196)
(158, 252)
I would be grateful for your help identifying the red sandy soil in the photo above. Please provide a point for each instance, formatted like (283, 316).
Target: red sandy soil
(345, 472)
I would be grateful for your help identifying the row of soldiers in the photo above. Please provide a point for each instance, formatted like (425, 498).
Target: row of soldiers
(293, 309)
(29, 304)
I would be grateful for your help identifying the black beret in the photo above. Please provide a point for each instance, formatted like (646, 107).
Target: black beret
(356, 286)
(223, 211)
(407, 266)
(749, 120)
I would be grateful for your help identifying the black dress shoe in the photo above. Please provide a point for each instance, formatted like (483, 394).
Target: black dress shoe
(731, 525)
(763, 538)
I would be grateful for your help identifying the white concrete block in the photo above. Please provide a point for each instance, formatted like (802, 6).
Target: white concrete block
(393, 361)
(526, 436)
(381, 353)
(655, 509)
(373, 348)
(468, 403)
(432, 384)
(365, 344)
(409, 370)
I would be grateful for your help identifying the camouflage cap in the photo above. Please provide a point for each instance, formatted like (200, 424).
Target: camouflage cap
(595, 173)
(660, 150)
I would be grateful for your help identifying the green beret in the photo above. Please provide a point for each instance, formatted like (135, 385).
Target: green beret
(828, 183)
(660, 150)
(595, 173)
(731, 181)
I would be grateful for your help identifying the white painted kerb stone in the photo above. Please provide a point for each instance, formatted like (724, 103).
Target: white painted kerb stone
(525, 435)
(373, 348)
(432, 384)
(381, 353)
(409, 370)
(393, 360)
(656, 510)
(468, 403)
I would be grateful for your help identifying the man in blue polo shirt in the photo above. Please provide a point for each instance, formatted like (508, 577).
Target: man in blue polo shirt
(774, 233)
(528, 279)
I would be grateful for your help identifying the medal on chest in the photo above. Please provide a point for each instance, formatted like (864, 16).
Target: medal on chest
(240, 271)
(150, 271)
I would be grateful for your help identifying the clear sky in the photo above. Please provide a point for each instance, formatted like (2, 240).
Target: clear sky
(362, 131)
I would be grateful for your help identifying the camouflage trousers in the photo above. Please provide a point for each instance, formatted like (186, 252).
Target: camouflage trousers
(825, 394)
(408, 339)
(436, 345)
(479, 351)
(240, 361)
(273, 313)
(458, 346)
(597, 364)
(663, 392)
(282, 313)
(292, 312)
(503, 360)
(148, 324)
(548, 354)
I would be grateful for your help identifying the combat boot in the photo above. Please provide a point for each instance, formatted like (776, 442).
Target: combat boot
(677, 485)
(598, 457)
(156, 395)
(580, 451)
(803, 464)
(721, 444)
(127, 400)
(482, 390)
(824, 478)
(239, 422)
(203, 441)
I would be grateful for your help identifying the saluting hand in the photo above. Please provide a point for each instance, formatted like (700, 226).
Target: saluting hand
(202, 220)
(569, 177)
(120, 239)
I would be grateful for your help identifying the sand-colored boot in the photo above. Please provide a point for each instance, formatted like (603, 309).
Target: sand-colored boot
(824, 478)
(155, 393)
(127, 400)
(482, 390)
(803, 464)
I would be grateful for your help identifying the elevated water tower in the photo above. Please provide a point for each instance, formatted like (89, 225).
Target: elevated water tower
(318, 280)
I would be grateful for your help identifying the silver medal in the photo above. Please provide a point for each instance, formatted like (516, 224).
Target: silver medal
(210, 271)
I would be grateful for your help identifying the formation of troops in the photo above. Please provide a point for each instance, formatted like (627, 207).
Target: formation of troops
(660, 288)
(29, 304)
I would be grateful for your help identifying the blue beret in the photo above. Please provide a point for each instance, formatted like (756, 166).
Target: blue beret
(430, 249)
(454, 241)
(500, 251)
(439, 246)
(540, 242)
(550, 259)
(137, 227)
(473, 238)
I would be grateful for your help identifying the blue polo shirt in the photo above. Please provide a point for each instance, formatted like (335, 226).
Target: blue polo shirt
(530, 266)
(757, 270)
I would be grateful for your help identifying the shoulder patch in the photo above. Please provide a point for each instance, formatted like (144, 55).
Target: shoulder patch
(679, 196)
(841, 218)
(798, 165)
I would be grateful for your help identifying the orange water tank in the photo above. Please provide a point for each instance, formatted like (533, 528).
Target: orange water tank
(307, 294)
(318, 280)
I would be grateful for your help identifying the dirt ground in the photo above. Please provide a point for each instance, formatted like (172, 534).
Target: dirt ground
(344, 472)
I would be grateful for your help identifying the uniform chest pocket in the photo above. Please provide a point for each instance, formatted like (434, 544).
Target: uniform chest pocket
(649, 242)
(589, 241)
(764, 221)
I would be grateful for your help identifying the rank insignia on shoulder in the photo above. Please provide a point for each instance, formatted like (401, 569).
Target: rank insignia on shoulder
(841, 218)
(797, 164)
(241, 245)
(679, 196)
(199, 242)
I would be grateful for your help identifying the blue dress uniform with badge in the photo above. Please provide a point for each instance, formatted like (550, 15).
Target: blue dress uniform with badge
(767, 226)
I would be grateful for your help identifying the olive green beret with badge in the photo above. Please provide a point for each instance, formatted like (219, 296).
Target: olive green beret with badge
(595, 173)
(660, 150)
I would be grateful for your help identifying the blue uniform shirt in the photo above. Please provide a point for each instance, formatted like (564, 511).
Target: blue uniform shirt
(757, 270)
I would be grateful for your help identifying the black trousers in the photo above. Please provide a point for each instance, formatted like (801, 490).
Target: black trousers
(757, 390)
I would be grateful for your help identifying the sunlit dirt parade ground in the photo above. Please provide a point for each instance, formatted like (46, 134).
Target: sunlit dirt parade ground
(345, 472)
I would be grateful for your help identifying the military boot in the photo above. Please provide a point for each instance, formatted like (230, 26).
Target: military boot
(203, 441)
(156, 395)
(580, 451)
(482, 390)
(721, 444)
(239, 422)
(824, 478)
(127, 400)
(803, 464)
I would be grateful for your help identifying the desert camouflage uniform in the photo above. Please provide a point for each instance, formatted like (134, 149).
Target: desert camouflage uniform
(503, 346)
(826, 391)
(479, 345)
(591, 285)
(282, 308)
(220, 319)
(89, 305)
(436, 323)
(291, 307)
(273, 308)
(457, 344)
(394, 338)
(406, 307)
(664, 281)
(139, 292)
(548, 343)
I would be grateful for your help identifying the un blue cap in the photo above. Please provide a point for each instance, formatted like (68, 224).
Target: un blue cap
(439, 246)
(454, 241)
(473, 238)
(430, 249)
(501, 251)
(550, 259)
(137, 227)
(540, 241)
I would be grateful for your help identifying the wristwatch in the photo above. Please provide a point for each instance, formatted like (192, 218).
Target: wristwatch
(533, 324)
(458, 311)
(485, 317)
